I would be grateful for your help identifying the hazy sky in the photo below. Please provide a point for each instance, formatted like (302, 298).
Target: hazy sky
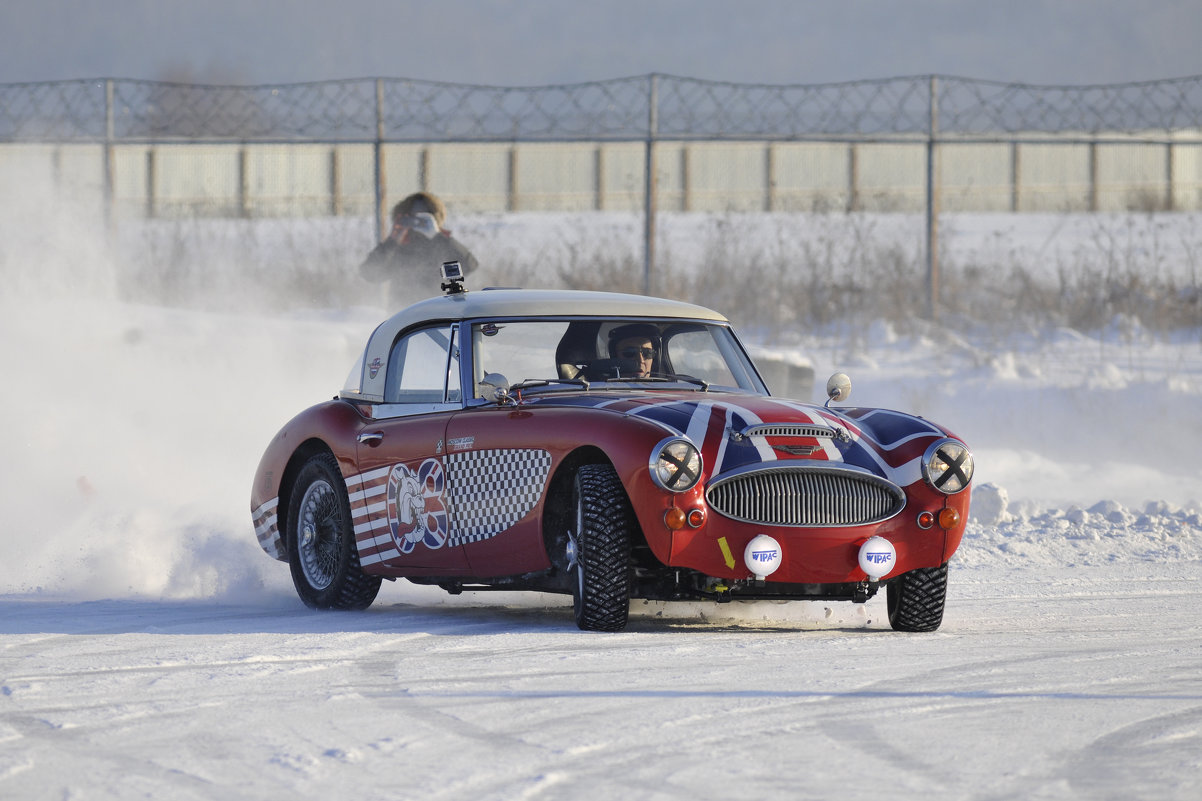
(539, 42)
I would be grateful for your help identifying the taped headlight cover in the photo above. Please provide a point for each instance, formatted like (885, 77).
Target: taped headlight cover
(675, 465)
(947, 466)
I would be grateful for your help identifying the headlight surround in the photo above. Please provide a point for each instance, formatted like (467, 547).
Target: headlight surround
(947, 466)
(675, 465)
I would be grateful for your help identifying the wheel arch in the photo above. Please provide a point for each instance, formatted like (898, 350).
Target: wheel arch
(558, 512)
(303, 453)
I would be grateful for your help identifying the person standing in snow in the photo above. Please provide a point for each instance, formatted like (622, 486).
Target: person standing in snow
(409, 258)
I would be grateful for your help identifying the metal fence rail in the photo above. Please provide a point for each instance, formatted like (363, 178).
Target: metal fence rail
(663, 106)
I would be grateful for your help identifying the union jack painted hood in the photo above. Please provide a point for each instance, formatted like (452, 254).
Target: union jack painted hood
(885, 443)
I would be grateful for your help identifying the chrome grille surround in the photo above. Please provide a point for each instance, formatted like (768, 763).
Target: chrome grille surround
(806, 495)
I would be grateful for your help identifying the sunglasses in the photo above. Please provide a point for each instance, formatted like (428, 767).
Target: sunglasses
(637, 353)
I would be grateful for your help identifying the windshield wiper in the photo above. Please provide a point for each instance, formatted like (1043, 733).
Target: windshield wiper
(687, 379)
(531, 383)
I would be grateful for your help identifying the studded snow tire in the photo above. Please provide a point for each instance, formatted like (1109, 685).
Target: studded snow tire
(599, 549)
(916, 599)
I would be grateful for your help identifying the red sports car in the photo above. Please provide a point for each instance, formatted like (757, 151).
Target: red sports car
(609, 446)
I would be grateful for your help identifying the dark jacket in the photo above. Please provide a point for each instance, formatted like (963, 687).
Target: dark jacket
(411, 265)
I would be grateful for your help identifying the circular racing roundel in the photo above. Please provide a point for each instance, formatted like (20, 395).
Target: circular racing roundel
(415, 507)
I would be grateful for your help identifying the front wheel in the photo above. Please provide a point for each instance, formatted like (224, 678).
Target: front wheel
(599, 549)
(916, 599)
(321, 541)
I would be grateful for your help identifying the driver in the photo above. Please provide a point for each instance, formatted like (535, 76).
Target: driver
(637, 344)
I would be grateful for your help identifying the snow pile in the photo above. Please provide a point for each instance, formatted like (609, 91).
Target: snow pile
(1106, 532)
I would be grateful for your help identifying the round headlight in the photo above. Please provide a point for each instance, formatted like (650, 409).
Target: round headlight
(675, 465)
(947, 466)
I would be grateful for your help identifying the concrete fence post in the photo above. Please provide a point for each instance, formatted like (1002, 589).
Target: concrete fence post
(110, 189)
(932, 216)
(378, 159)
(650, 181)
(151, 184)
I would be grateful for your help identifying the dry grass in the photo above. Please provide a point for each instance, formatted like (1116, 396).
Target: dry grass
(844, 274)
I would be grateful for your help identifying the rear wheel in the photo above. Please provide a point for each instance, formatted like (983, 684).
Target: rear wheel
(321, 540)
(599, 549)
(916, 599)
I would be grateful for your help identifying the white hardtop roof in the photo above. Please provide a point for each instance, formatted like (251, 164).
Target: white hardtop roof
(496, 303)
(501, 303)
(545, 302)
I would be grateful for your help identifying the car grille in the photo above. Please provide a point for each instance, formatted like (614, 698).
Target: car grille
(792, 496)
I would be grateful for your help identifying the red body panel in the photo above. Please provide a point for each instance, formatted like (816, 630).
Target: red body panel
(469, 461)
(333, 424)
(559, 432)
(409, 441)
(817, 555)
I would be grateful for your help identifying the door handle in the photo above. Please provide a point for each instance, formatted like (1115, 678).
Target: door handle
(372, 438)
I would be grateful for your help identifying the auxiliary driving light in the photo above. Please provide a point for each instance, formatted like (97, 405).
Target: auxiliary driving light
(877, 557)
(762, 556)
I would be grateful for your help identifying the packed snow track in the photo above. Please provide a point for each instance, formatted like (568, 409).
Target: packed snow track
(1079, 683)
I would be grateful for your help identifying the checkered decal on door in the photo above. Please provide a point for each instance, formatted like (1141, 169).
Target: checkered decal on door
(488, 491)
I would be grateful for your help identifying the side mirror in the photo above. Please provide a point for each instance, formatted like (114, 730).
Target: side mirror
(838, 388)
(497, 385)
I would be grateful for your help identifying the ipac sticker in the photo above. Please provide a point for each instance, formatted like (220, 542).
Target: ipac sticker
(762, 555)
(877, 557)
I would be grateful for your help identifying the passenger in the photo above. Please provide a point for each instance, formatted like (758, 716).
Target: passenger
(410, 256)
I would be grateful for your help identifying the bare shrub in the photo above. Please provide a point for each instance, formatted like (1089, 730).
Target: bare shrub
(776, 276)
(269, 264)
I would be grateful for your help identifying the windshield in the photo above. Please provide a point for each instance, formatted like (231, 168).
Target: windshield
(611, 354)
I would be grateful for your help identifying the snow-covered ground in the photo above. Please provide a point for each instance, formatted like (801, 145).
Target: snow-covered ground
(148, 648)
(1044, 682)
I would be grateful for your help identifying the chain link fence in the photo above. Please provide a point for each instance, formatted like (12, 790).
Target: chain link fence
(653, 106)
(922, 146)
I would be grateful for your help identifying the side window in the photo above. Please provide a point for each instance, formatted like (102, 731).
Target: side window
(424, 367)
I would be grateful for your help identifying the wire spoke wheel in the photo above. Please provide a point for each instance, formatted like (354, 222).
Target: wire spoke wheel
(318, 539)
(321, 540)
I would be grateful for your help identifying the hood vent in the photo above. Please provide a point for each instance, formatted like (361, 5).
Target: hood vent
(791, 430)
